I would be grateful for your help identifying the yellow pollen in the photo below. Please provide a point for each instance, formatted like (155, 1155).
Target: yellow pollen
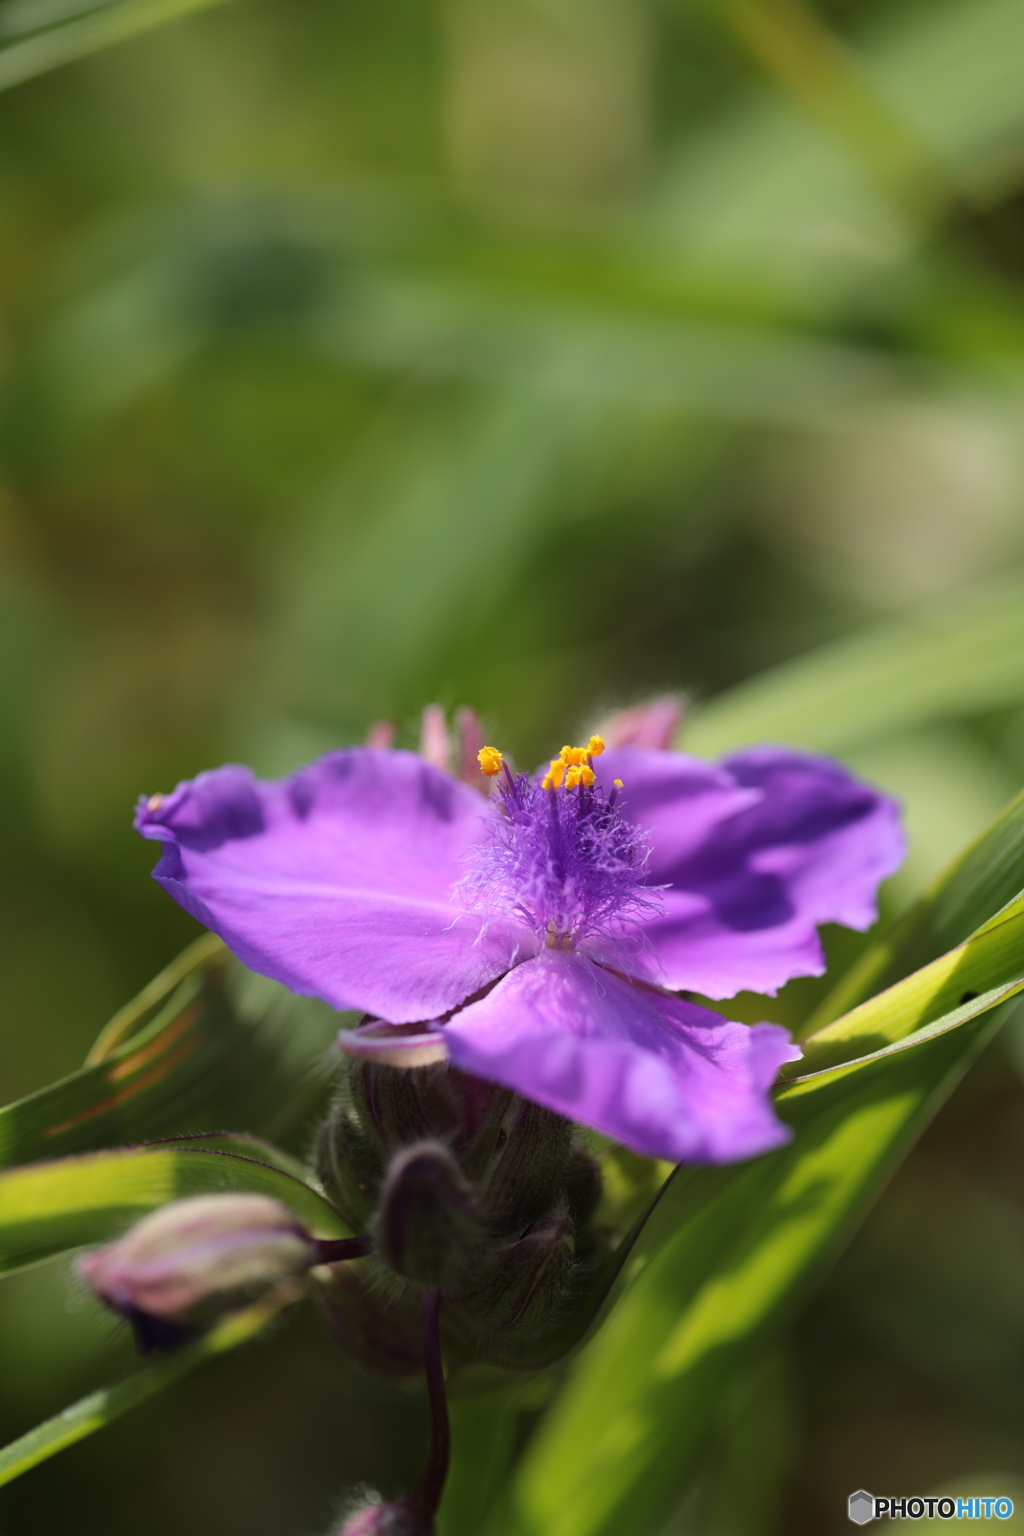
(555, 774)
(572, 766)
(490, 760)
(617, 783)
(580, 774)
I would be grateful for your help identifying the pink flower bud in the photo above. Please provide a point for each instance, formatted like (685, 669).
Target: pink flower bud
(403, 1518)
(654, 724)
(194, 1258)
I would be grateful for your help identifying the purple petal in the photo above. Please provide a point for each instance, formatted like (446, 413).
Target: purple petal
(792, 841)
(663, 1076)
(337, 881)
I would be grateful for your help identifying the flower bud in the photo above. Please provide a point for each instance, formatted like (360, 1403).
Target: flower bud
(528, 1282)
(181, 1266)
(426, 1227)
(529, 1166)
(402, 1518)
(654, 724)
(380, 1109)
(582, 1184)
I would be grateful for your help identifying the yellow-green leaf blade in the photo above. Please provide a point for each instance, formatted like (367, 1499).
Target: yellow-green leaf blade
(990, 963)
(47, 1208)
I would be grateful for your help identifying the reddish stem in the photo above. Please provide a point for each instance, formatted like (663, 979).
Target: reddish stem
(333, 1250)
(423, 1502)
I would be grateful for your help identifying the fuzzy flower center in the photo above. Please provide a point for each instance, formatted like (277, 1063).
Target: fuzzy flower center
(559, 854)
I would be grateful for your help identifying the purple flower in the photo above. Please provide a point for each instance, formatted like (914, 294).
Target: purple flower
(538, 938)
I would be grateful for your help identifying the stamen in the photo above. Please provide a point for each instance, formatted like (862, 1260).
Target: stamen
(556, 773)
(558, 854)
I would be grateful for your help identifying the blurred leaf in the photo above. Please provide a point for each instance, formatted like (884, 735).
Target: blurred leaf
(958, 657)
(451, 505)
(483, 1445)
(764, 191)
(955, 75)
(619, 335)
(61, 33)
(101, 1408)
(206, 1043)
(950, 782)
(575, 351)
(793, 44)
(47, 1208)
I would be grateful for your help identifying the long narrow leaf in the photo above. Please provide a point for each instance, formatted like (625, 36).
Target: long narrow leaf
(101, 1408)
(205, 1044)
(88, 34)
(47, 1208)
(957, 657)
(990, 964)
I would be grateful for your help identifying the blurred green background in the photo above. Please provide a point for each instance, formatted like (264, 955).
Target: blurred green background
(535, 355)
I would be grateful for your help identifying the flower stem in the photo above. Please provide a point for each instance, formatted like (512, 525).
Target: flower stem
(426, 1496)
(333, 1250)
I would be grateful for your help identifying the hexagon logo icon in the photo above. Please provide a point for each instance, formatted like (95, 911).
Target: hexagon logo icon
(862, 1507)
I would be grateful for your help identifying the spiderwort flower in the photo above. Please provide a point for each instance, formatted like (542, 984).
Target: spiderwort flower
(540, 938)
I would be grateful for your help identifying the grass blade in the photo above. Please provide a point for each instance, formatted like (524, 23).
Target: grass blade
(74, 39)
(100, 1408)
(47, 1208)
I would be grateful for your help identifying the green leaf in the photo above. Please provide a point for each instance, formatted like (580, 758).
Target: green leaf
(737, 1249)
(985, 970)
(75, 35)
(101, 1408)
(206, 1043)
(47, 1208)
(958, 657)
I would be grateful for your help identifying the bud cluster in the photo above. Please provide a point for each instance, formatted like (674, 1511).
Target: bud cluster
(466, 1189)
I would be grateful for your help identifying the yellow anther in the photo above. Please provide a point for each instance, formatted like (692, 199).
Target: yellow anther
(554, 775)
(154, 802)
(490, 760)
(574, 755)
(595, 746)
(580, 774)
(617, 783)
